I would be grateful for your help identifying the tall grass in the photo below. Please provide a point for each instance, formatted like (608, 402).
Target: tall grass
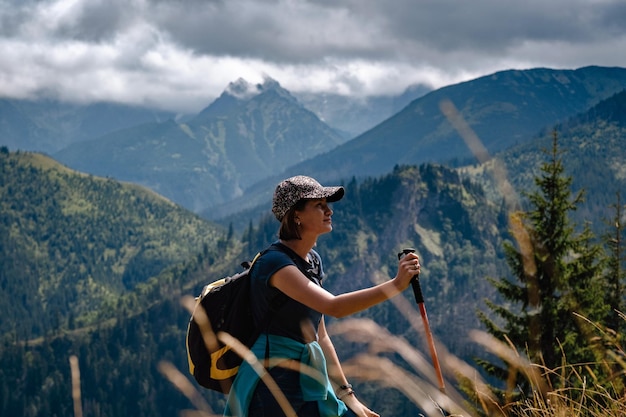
(561, 392)
(582, 395)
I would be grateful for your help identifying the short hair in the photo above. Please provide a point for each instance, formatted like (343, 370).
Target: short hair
(289, 230)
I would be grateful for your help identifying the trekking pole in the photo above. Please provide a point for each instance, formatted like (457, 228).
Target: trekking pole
(419, 299)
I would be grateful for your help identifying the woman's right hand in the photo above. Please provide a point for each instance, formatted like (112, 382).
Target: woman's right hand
(357, 407)
(408, 267)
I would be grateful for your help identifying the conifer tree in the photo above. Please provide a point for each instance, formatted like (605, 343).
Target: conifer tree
(555, 273)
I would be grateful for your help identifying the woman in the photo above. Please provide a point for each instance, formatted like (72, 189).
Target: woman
(289, 303)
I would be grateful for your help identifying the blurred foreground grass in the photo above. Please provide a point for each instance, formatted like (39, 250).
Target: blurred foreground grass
(582, 396)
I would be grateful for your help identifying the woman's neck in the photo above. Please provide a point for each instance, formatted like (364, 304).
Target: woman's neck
(300, 246)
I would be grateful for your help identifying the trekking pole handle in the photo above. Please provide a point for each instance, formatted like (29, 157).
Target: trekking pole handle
(415, 282)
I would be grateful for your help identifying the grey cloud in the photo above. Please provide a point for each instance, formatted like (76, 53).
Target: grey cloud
(265, 30)
(154, 49)
(12, 16)
(89, 21)
(401, 29)
(612, 18)
(97, 21)
(494, 26)
(310, 31)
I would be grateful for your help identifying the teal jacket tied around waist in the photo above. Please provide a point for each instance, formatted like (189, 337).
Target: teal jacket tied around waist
(314, 388)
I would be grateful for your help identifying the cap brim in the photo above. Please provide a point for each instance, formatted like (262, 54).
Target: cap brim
(331, 194)
(336, 194)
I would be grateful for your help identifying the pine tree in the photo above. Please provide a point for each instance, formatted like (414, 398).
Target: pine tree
(555, 281)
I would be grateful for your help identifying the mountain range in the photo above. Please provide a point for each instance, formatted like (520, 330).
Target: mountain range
(228, 156)
(354, 115)
(249, 132)
(503, 109)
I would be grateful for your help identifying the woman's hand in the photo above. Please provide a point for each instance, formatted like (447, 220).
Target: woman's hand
(408, 267)
(359, 409)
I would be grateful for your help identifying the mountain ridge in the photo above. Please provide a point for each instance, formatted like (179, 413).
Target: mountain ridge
(213, 156)
(49, 125)
(420, 133)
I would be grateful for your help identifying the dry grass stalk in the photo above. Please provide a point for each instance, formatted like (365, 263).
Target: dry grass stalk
(586, 400)
(76, 395)
(380, 340)
(516, 362)
(182, 383)
(382, 370)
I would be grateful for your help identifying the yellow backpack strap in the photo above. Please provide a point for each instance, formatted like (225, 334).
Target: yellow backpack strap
(255, 258)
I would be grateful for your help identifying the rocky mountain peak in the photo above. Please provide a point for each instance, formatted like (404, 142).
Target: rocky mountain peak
(242, 89)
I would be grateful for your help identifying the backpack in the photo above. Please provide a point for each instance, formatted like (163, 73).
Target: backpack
(226, 303)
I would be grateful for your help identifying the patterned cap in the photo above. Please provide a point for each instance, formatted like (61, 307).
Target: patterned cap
(293, 189)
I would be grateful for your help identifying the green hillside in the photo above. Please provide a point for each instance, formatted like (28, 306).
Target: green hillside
(72, 243)
(429, 207)
(457, 228)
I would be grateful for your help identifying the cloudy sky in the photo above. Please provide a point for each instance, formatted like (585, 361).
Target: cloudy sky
(180, 54)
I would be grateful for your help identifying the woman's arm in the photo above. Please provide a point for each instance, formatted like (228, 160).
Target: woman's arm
(335, 372)
(297, 286)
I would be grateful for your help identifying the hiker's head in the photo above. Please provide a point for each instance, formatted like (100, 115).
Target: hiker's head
(292, 194)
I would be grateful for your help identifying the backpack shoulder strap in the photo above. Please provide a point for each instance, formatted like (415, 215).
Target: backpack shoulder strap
(302, 264)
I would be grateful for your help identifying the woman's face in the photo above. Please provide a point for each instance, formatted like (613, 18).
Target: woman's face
(315, 218)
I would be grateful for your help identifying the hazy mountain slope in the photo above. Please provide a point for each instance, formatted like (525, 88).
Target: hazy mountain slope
(264, 134)
(355, 115)
(503, 109)
(165, 157)
(593, 154)
(249, 132)
(49, 125)
(70, 243)
(17, 130)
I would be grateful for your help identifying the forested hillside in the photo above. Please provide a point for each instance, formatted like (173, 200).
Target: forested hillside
(72, 243)
(426, 207)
